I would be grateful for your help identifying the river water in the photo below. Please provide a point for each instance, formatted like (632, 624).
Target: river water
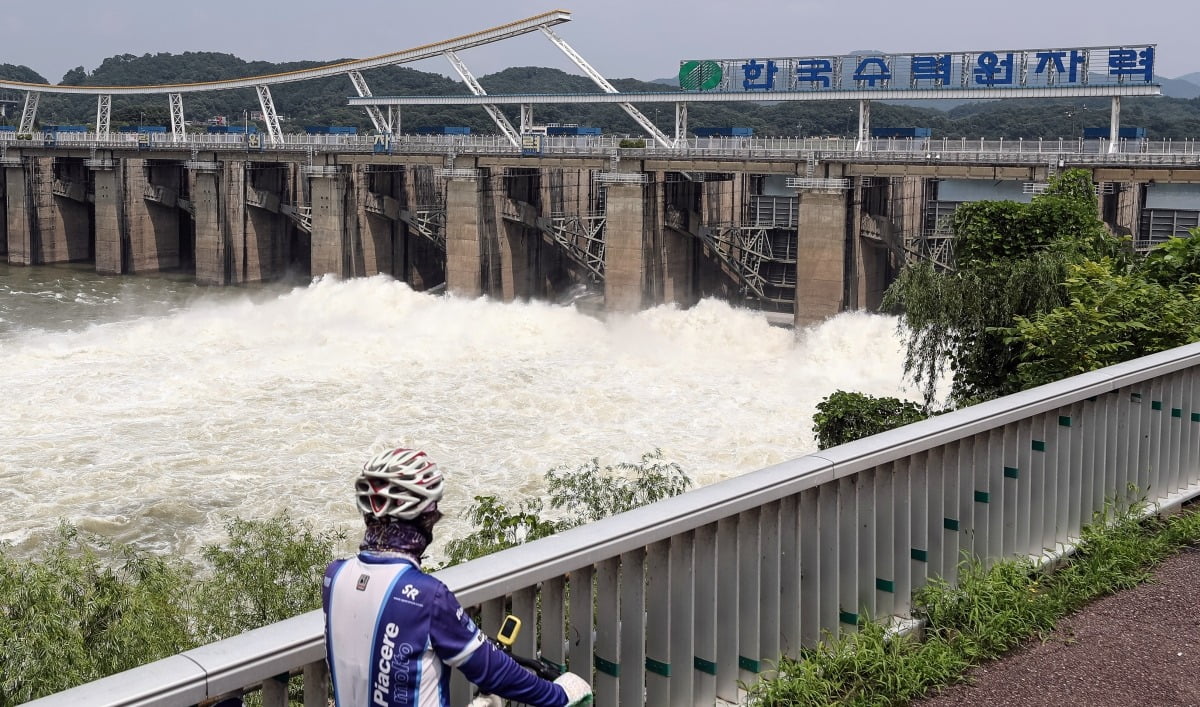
(149, 410)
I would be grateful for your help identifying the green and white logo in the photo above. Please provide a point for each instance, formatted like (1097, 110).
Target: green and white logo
(700, 75)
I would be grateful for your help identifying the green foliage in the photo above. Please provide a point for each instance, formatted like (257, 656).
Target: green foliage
(948, 319)
(589, 493)
(1012, 262)
(844, 417)
(86, 608)
(70, 616)
(583, 495)
(498, 527)
(985, 613)
(631, 143)
(265, 572)
(1111, 316)
(1176, 262)
(988, 235)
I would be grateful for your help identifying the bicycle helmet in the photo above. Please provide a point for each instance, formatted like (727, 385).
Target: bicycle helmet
(400, 483)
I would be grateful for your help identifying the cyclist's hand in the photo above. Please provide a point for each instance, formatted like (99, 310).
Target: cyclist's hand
(486, 701)
(579, 692)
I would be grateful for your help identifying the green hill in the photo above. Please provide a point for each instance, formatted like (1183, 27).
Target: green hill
(323, 102)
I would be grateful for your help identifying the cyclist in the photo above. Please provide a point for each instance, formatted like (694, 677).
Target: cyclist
(391, 631)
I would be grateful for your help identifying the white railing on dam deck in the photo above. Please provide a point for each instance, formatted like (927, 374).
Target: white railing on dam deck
(674, 603)
(1039, 151)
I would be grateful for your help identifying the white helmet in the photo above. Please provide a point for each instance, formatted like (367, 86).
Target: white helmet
(401, 483)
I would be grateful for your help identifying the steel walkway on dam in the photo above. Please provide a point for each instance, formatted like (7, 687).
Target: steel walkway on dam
(1080, 152)
(816, 542)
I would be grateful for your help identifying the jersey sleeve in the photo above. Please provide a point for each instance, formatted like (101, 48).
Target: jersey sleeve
(459, 643)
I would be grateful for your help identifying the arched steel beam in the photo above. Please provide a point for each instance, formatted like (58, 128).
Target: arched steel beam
(426, 51)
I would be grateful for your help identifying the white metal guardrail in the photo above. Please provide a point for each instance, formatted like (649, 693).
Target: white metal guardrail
(673, 603)
(944, 150)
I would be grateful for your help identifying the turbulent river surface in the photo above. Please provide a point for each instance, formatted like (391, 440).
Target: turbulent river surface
(150, 410)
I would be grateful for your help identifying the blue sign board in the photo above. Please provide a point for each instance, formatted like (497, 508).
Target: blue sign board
(1025, 68)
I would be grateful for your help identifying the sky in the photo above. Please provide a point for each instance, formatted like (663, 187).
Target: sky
(644, 39)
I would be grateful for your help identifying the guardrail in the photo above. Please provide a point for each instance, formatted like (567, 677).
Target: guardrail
(674, 603)
(949, 150)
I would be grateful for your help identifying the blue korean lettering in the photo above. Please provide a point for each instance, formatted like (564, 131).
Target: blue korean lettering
(755, 80)
(815, 70)
(1054, 60)
(884, 74)
(1131, 62)
(991, 70)
(931, 68)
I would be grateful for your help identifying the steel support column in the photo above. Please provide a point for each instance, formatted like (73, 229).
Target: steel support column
(497, 117)
(681, 124)
(526, 117)
(1114, 124)
(29, 112)
(103, 115)
(178, 132)
(382, 126)
(864, 126)
(603, 83)
(274, 133)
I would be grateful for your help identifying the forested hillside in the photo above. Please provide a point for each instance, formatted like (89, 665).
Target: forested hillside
(324, 102)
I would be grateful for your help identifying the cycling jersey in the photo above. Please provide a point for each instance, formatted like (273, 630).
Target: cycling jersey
(390, 630)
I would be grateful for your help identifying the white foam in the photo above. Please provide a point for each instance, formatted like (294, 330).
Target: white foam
(156, 428)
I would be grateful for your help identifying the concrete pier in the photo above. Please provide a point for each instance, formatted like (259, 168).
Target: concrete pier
(464, 237)
(643, 231)
(630, 210)
(20, 218)
(820, 255)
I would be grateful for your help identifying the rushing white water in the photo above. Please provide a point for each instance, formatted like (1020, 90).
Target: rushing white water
(155, 427)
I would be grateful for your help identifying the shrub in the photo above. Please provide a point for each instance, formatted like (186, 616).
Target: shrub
(844, 417)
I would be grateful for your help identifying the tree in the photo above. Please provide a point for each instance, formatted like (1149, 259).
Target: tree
(1114, 313)
(1011, 260)
(268, 571)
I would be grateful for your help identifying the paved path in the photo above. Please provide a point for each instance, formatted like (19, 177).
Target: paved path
(1140, 647)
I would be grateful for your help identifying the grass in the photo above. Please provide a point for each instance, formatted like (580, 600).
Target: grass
(989, 612)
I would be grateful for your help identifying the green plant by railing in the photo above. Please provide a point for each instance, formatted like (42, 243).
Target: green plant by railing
(86, 607)
(988, 612)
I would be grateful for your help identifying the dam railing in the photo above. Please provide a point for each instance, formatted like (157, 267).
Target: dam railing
(1035, 151)
(676, 602)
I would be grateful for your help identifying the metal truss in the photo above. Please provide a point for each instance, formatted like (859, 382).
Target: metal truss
(274, 132)
(934, 246)
(582, 237)
(935, 242)
(301, 215)
(178, 131)
(681, 123)
(103, 115)
(428, 221)
(472, 83)
(744, 250)
(29, 112)
(382, 125)
(603, 83)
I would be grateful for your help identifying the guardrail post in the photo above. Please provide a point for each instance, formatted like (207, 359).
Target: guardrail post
(275, 691)
(316, 684)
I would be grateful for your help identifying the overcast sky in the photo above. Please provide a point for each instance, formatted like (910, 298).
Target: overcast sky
(642, 39)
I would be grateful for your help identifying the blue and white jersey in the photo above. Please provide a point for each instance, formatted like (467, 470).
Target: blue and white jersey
(391, 630)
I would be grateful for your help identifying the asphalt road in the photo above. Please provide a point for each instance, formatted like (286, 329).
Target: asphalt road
(1139, 647)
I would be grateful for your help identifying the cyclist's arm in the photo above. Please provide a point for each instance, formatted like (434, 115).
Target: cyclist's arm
(459, 643)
